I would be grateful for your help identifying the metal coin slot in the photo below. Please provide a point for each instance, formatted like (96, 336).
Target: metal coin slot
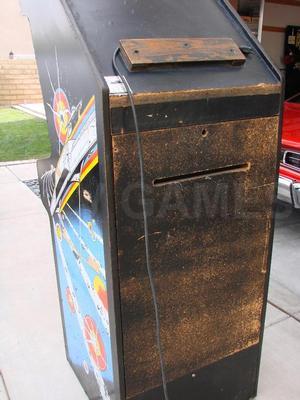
(207, 174)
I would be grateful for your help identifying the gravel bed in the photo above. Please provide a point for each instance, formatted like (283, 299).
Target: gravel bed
(33, 185)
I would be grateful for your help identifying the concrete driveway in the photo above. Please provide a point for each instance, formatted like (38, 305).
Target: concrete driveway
(32, 358)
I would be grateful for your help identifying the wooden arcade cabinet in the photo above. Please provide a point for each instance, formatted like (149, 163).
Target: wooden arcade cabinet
(207, 100)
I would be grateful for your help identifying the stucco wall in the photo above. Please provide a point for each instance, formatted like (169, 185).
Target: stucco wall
(14, 30)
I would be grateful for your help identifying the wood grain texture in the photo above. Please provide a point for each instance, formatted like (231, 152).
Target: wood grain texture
(209, 242)
(116, 101)
(142, 53)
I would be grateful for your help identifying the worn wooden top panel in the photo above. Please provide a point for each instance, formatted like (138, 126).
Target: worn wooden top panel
(103, 23)
(143, 53)
(122, 100)
(209, 244)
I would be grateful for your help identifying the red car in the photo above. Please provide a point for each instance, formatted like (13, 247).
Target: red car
(289, 172)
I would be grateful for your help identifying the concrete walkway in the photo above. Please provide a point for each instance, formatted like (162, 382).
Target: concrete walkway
(32, 358)
(35, 109)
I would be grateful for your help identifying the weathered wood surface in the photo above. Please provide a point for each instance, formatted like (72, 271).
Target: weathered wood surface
(143, 53)
(194, 94)
(233, 377)
(209, 242)
(193, 112)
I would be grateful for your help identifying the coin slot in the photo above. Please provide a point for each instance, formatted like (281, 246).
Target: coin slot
(206, 174)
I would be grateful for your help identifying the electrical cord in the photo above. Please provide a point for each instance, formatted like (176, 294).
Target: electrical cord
(145, 218)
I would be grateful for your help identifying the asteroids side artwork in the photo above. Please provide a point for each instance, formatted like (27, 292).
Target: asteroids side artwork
(70, 190)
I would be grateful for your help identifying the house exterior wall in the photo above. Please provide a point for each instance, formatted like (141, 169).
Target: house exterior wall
(14, 30)
(19, 81)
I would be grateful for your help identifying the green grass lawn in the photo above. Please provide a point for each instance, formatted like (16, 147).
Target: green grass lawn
(22, 136)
